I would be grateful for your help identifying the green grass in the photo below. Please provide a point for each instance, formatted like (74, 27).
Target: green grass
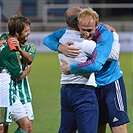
(44, 80)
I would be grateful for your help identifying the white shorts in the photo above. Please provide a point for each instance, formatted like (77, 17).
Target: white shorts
(29, 110)
(20, 110)
(17, 110)
(5, 113)
(4, 88)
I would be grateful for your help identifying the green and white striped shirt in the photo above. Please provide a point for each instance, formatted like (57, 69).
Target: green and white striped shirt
(22, 88)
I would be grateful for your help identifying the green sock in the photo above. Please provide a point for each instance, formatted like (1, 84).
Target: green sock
(20, 130)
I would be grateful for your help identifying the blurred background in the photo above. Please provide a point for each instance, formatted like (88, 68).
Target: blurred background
(48, 16)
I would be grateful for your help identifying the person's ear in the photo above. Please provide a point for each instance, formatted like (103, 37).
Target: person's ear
(17, 35)
(96, 27)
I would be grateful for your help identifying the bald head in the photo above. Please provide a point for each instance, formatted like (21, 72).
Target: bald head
(71, 16)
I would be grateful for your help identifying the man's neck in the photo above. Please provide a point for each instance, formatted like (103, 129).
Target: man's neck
(70, 28)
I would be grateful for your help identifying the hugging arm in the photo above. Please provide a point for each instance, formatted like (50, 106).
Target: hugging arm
(99, 57)
(114, 55)
(52, 41)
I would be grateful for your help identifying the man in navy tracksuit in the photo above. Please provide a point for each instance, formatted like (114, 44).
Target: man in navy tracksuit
(109, 78)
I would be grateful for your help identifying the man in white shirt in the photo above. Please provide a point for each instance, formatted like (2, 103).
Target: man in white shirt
(79, 107)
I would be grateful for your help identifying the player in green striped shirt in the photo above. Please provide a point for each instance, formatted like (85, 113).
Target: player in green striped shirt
(27, 53)
(9, 63)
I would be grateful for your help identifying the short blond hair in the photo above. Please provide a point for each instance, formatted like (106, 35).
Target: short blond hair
(88, 13)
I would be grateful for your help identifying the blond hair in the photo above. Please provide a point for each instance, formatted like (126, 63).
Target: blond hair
(88, 13)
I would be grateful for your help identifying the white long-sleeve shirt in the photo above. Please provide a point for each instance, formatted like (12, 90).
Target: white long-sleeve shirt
(86, 49)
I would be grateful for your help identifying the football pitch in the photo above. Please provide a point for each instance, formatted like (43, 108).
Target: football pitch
(45, 85)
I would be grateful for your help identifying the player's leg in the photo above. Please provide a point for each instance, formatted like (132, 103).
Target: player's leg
(8, 119)
(5, 119)
(6, 126)
(20, 117)
(25, 124)
(68, 121)
(117, 106)
(120, 129)
(102, 128)
(103, 111)
(2, 115)
(86, 109)
(1, 128)
(29, 111)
